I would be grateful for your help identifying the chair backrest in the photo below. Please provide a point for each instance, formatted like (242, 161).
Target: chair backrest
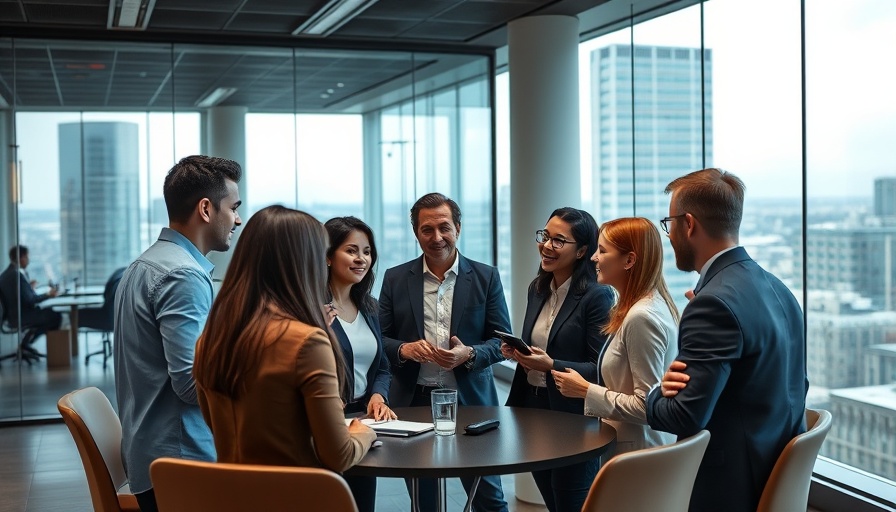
(669, 472)
(103, 318)
(97, 433)
(112, 285)
(787, 487)
(187, 486)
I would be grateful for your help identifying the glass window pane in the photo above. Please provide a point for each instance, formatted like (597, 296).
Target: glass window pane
(851, 238)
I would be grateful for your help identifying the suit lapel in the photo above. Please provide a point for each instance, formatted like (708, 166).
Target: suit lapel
(532, 315)
(462, 288)
(344, 342)
(733, 256)
(570, 303)
(415, 295)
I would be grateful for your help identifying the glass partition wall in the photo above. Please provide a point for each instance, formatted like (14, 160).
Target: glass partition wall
(90, 130)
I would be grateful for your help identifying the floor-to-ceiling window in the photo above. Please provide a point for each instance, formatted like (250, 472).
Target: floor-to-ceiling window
(722, 84)
(94, 128)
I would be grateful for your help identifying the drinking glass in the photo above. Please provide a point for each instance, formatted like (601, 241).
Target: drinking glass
(444, 411)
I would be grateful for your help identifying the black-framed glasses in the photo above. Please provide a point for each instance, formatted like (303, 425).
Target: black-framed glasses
(541, 236)
(664, 223)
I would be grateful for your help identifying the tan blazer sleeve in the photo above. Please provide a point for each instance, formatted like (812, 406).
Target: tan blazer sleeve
(316, 378)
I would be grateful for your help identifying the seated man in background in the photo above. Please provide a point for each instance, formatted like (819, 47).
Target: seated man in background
(17, 293)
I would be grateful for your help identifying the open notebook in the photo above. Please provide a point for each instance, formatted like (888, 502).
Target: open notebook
(396, 427)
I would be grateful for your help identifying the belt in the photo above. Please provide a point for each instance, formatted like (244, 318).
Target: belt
(536, 390)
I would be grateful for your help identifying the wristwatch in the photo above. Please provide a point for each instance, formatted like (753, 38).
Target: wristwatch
(472, 360)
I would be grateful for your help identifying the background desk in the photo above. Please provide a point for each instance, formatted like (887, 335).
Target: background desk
(527, 440)
(72, 304)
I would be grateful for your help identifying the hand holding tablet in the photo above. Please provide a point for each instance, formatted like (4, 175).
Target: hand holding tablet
(514, 342)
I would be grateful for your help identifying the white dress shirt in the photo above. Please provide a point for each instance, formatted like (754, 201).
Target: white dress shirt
(438, 298)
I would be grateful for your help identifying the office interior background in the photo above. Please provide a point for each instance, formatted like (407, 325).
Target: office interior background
(795, 97)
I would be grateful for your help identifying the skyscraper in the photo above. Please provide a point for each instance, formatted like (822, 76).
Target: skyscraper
(672, 116)
(99, 203)
(885, 199)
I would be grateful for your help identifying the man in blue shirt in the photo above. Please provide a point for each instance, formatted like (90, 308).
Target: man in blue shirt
(160, 310)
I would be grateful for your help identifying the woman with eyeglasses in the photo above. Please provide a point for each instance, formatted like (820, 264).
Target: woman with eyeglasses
(565, 313)
(350, 261)
(643, 330)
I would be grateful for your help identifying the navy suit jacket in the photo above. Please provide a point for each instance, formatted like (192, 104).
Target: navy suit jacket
(575, 341)
(29, 299)
(742, 340)
(378, 375)
(477, 311)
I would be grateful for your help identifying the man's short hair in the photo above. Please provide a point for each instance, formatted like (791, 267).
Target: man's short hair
(16, 252)
(715, 197)
(194, 178)
(434, 200)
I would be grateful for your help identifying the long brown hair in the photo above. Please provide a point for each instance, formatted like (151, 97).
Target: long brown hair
(640, 236)
(279, 264)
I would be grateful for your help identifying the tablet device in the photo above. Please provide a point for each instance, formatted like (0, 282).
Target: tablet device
(514, 342)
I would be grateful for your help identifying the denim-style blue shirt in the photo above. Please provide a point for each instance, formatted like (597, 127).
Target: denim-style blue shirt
(160, 310)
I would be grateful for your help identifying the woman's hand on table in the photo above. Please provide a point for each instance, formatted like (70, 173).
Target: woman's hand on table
(378, 410)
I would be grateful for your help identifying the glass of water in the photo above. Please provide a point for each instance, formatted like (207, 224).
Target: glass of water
(444, 411)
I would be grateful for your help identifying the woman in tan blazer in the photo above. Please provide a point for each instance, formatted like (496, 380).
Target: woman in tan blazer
(270, 377)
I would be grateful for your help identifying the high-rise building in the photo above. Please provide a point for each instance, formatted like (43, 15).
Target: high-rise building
(880, 364)
(885, 198)
(855, 258)
(99, 203)
(862, 433)
(672, 111)
(842, 326)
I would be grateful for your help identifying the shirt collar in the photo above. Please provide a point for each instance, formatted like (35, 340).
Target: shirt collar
(563, 287)
(712, 260)
(454, 266)
(175, 237)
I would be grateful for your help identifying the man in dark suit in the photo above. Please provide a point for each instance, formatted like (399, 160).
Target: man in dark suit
(741, 368)
(17, 293)
(438, 315)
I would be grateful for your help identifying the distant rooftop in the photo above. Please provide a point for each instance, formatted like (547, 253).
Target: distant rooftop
(881, 396)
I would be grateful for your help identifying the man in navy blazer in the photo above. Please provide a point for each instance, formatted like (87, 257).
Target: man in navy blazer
(438, 315)
(741, 368)
(18, 297)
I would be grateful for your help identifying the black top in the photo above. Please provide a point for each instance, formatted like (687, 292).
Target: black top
(525, 441)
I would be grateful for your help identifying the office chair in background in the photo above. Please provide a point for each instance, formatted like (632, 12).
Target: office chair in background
(102, 318)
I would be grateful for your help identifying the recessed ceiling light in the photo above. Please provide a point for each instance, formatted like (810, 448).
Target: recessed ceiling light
(324, 96)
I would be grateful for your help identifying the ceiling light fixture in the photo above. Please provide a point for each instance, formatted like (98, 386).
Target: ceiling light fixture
(215, 96)
(331, 16)
(129, 14)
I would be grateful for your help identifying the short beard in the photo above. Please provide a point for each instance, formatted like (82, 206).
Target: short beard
(684, 257)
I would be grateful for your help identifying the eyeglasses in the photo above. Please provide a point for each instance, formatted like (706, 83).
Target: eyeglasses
(665, 222)
(541, 236)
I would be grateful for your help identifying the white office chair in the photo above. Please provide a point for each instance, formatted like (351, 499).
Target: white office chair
(620, 483)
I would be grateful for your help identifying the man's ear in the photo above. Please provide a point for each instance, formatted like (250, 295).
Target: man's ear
(205, 208)
(691, 223)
